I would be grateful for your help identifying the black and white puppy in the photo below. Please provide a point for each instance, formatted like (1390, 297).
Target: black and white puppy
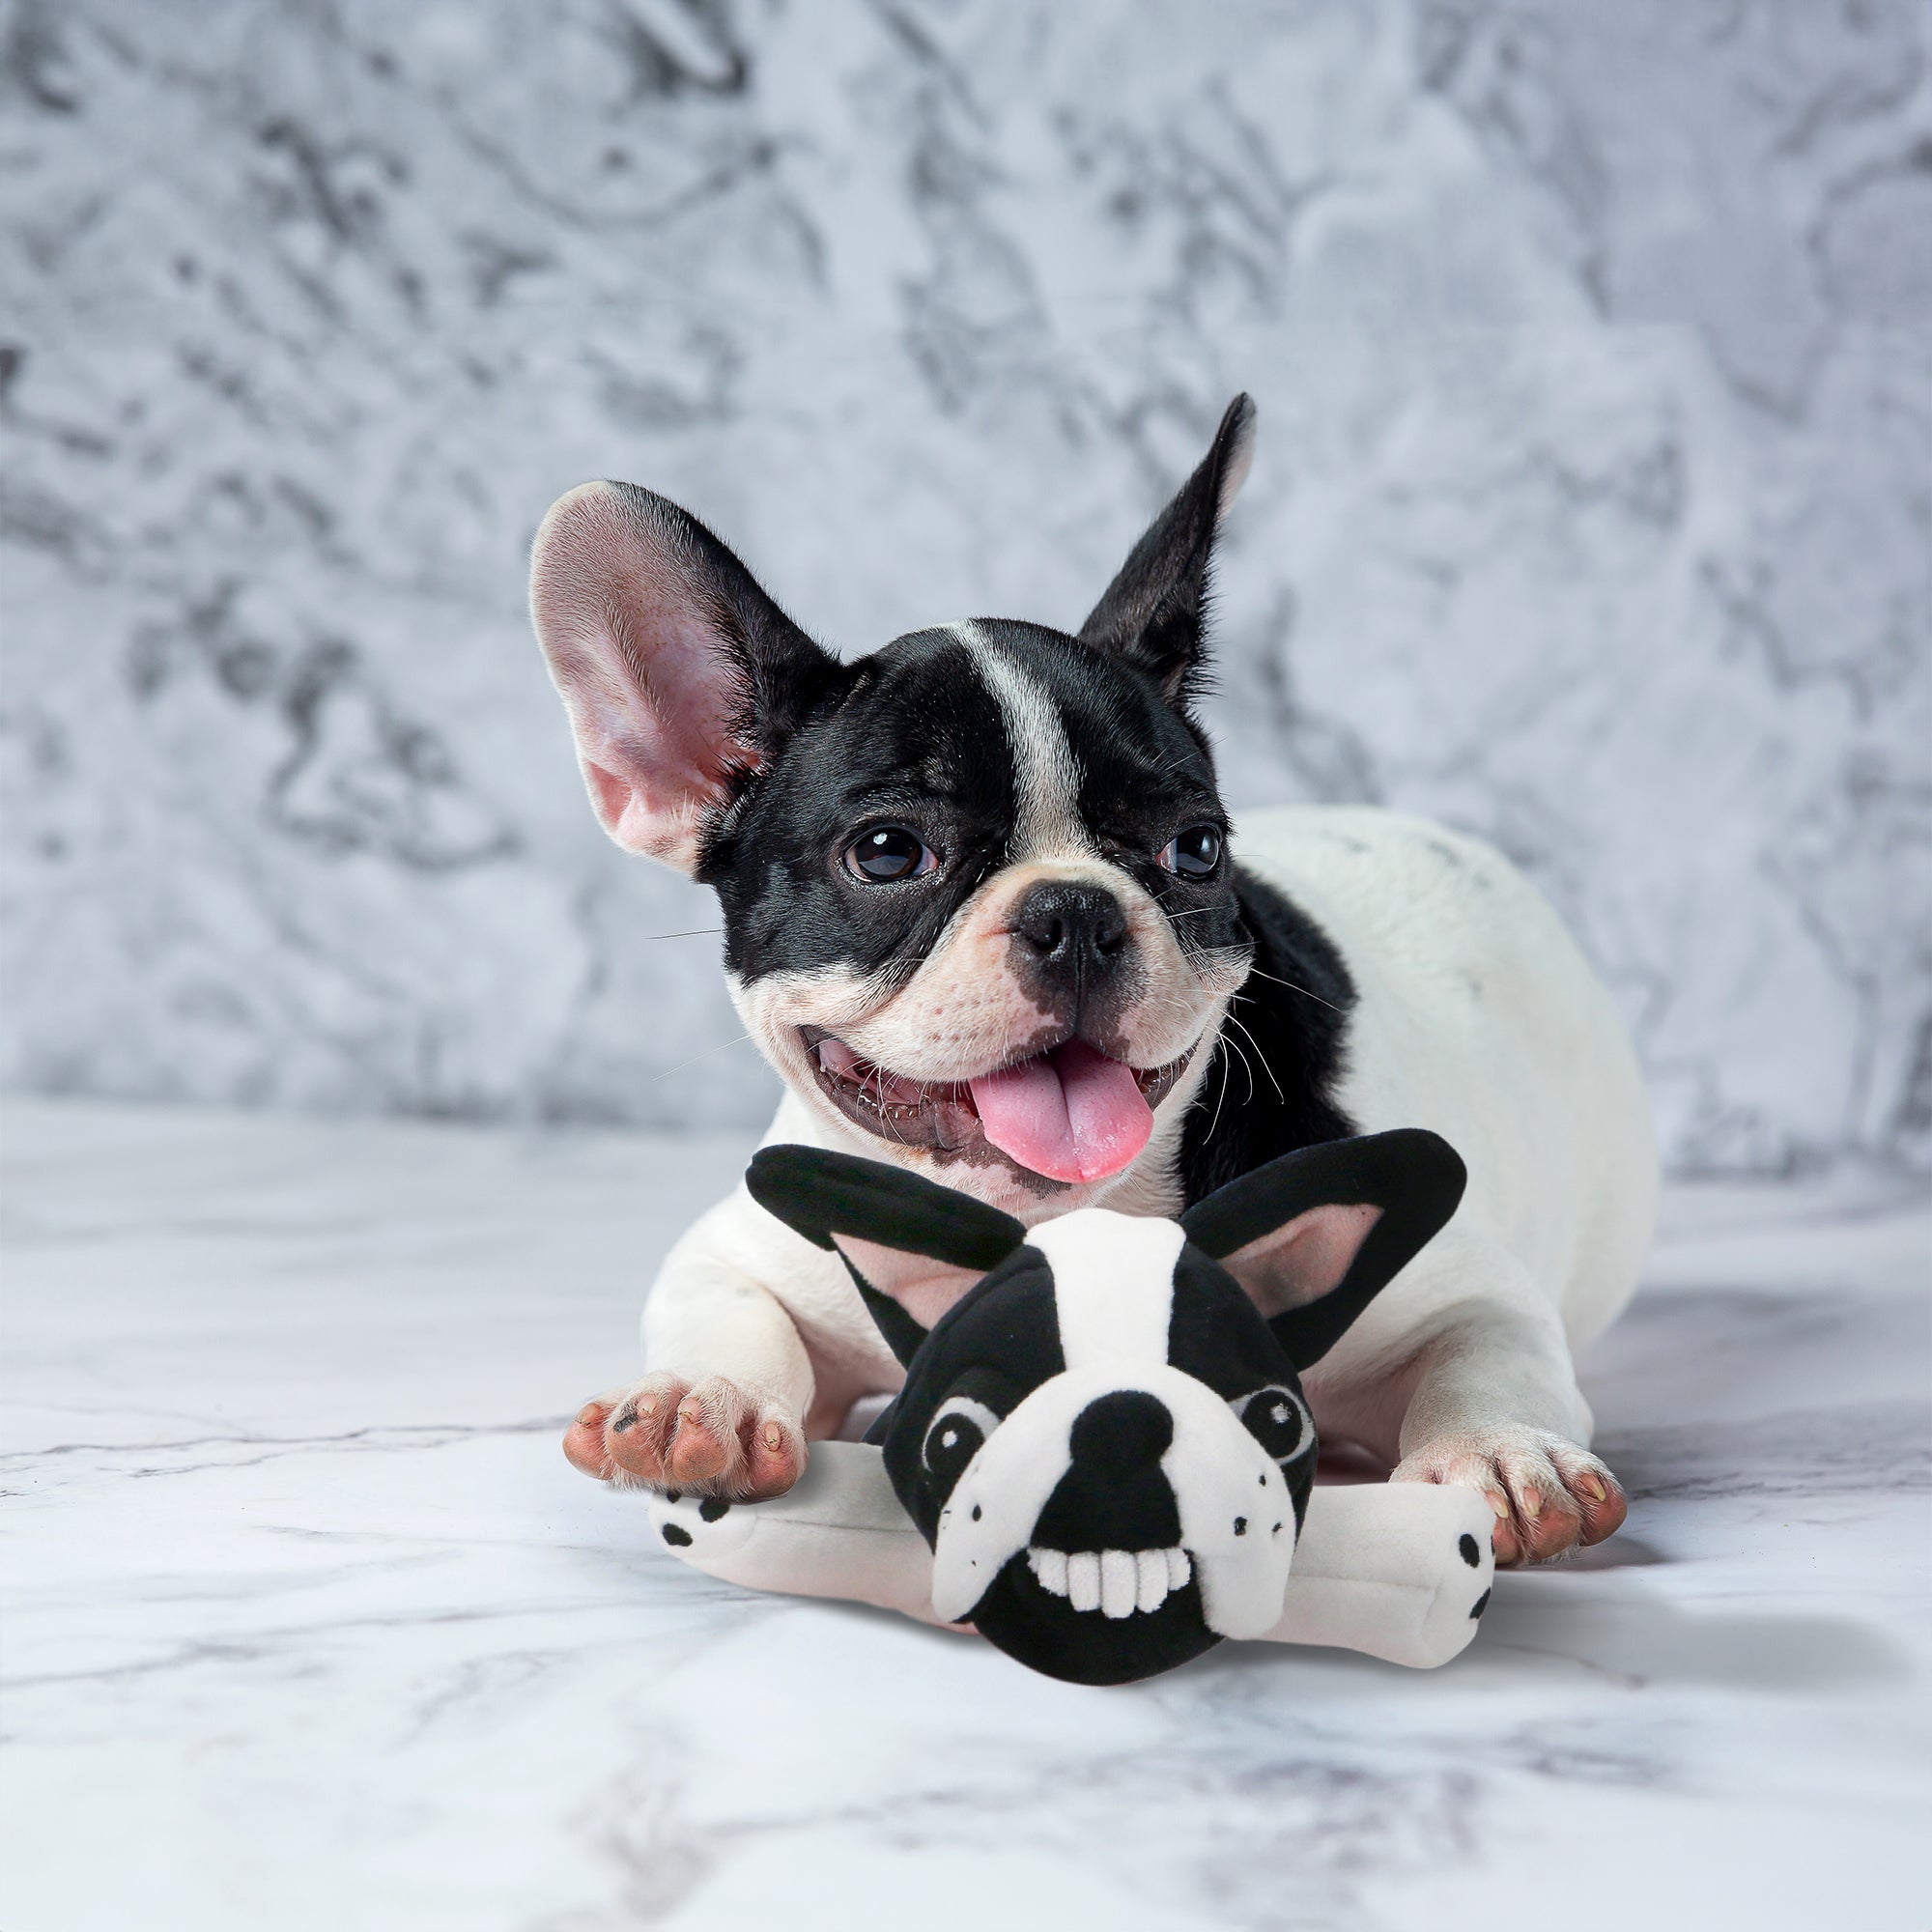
(984, 912)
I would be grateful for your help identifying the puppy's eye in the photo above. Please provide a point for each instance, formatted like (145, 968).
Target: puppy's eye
(957, 1433)
(1277, 1420)
(1193, 854)
(889, 853)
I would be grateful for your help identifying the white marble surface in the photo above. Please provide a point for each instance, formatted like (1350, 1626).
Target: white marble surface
(1593, 507)
(307, 1623)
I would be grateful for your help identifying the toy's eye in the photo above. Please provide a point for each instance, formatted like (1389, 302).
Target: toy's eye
(1276, 1418)
(1193, 854)
(887, 854)
(957, 1432)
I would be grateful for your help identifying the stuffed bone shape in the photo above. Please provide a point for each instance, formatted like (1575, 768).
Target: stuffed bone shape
(1101, 1457)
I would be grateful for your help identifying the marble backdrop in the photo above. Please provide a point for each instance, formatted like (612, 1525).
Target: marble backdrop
(1593, 508)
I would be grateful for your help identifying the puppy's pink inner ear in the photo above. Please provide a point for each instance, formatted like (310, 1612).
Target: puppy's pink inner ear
(644, 667)
(1304, 1258)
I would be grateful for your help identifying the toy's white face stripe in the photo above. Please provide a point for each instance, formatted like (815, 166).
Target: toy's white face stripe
(1113, 1285)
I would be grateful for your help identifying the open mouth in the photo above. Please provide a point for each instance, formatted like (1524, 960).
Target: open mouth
(1070, 1112)
(1116, 1582)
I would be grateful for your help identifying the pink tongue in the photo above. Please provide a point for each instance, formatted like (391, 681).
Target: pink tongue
(1071, 1114)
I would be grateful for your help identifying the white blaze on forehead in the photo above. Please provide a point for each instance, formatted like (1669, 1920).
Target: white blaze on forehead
(1113, 1285)
(1046, 773)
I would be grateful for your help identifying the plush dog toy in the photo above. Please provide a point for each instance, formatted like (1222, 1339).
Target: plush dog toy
(1101, 1457)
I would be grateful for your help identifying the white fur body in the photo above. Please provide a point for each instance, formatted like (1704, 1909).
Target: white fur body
(1476, 1016)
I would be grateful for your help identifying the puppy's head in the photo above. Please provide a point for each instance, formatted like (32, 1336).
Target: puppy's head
(978, 901)
(1104, 1439)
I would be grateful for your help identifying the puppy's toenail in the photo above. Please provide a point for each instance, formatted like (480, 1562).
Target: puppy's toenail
(1532, 1504)
(590, 1412)
(1595, 1488)
(647, 1405)
(1496, 1503)
(774, 1438)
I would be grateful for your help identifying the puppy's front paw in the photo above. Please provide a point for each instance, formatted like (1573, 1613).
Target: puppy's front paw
(708, 1437)
(1548, 1495)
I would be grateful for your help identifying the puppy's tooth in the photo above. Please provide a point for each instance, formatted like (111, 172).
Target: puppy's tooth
(1178, 1569)
(1151, 1566)
(1050, 1567)
(1083, 1580)
(1120, 1584)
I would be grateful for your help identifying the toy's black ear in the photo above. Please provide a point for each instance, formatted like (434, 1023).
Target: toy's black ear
(897, 1225)
(1316, 1236)
(1153, 614)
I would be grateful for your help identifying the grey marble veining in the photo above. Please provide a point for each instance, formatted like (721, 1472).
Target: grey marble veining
(1593, 509)
(309, 1624)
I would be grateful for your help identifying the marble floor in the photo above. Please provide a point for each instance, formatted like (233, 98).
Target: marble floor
(308, 1624)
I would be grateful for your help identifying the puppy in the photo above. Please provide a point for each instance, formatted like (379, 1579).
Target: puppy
(985, 912)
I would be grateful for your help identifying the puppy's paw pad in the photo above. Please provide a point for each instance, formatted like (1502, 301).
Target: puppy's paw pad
(585, 1440)
(708, 1437)
(1547, 1494)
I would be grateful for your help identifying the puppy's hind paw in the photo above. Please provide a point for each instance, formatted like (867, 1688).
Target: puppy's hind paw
(707, 1438)
(1547, 1494)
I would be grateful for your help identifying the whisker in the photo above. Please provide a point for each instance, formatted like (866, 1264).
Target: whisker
(1247, 1066)
(1255, 972)
(1223, 1094)
(690, 932)
(1258, 1055)
(697, 1057)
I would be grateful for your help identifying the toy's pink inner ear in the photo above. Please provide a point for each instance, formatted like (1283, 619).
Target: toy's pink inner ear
(925, 1289)
(1304, 1258)
(639, 656)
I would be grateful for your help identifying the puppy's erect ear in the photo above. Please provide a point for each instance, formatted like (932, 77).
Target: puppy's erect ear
(679, 674)
(1154, 613)
(1316, 1236)
(908, 1233)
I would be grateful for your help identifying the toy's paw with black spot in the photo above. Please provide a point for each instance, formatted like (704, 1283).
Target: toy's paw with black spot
(1547, 1494)
(709, 1438)
(700, 1528)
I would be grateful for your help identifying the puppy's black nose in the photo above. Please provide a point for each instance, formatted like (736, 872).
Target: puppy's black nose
(1071, 928)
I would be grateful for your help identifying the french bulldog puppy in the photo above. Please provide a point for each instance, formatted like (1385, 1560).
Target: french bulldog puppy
(988, 915)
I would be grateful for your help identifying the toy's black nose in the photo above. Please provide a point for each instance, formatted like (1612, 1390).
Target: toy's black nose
(1076, 932)
(1123, 1431)
(1115, 1494)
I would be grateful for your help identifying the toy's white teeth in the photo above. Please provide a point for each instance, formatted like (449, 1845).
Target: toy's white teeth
(1116, 1582)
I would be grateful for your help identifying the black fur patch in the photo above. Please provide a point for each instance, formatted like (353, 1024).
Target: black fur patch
(1295, 1037)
